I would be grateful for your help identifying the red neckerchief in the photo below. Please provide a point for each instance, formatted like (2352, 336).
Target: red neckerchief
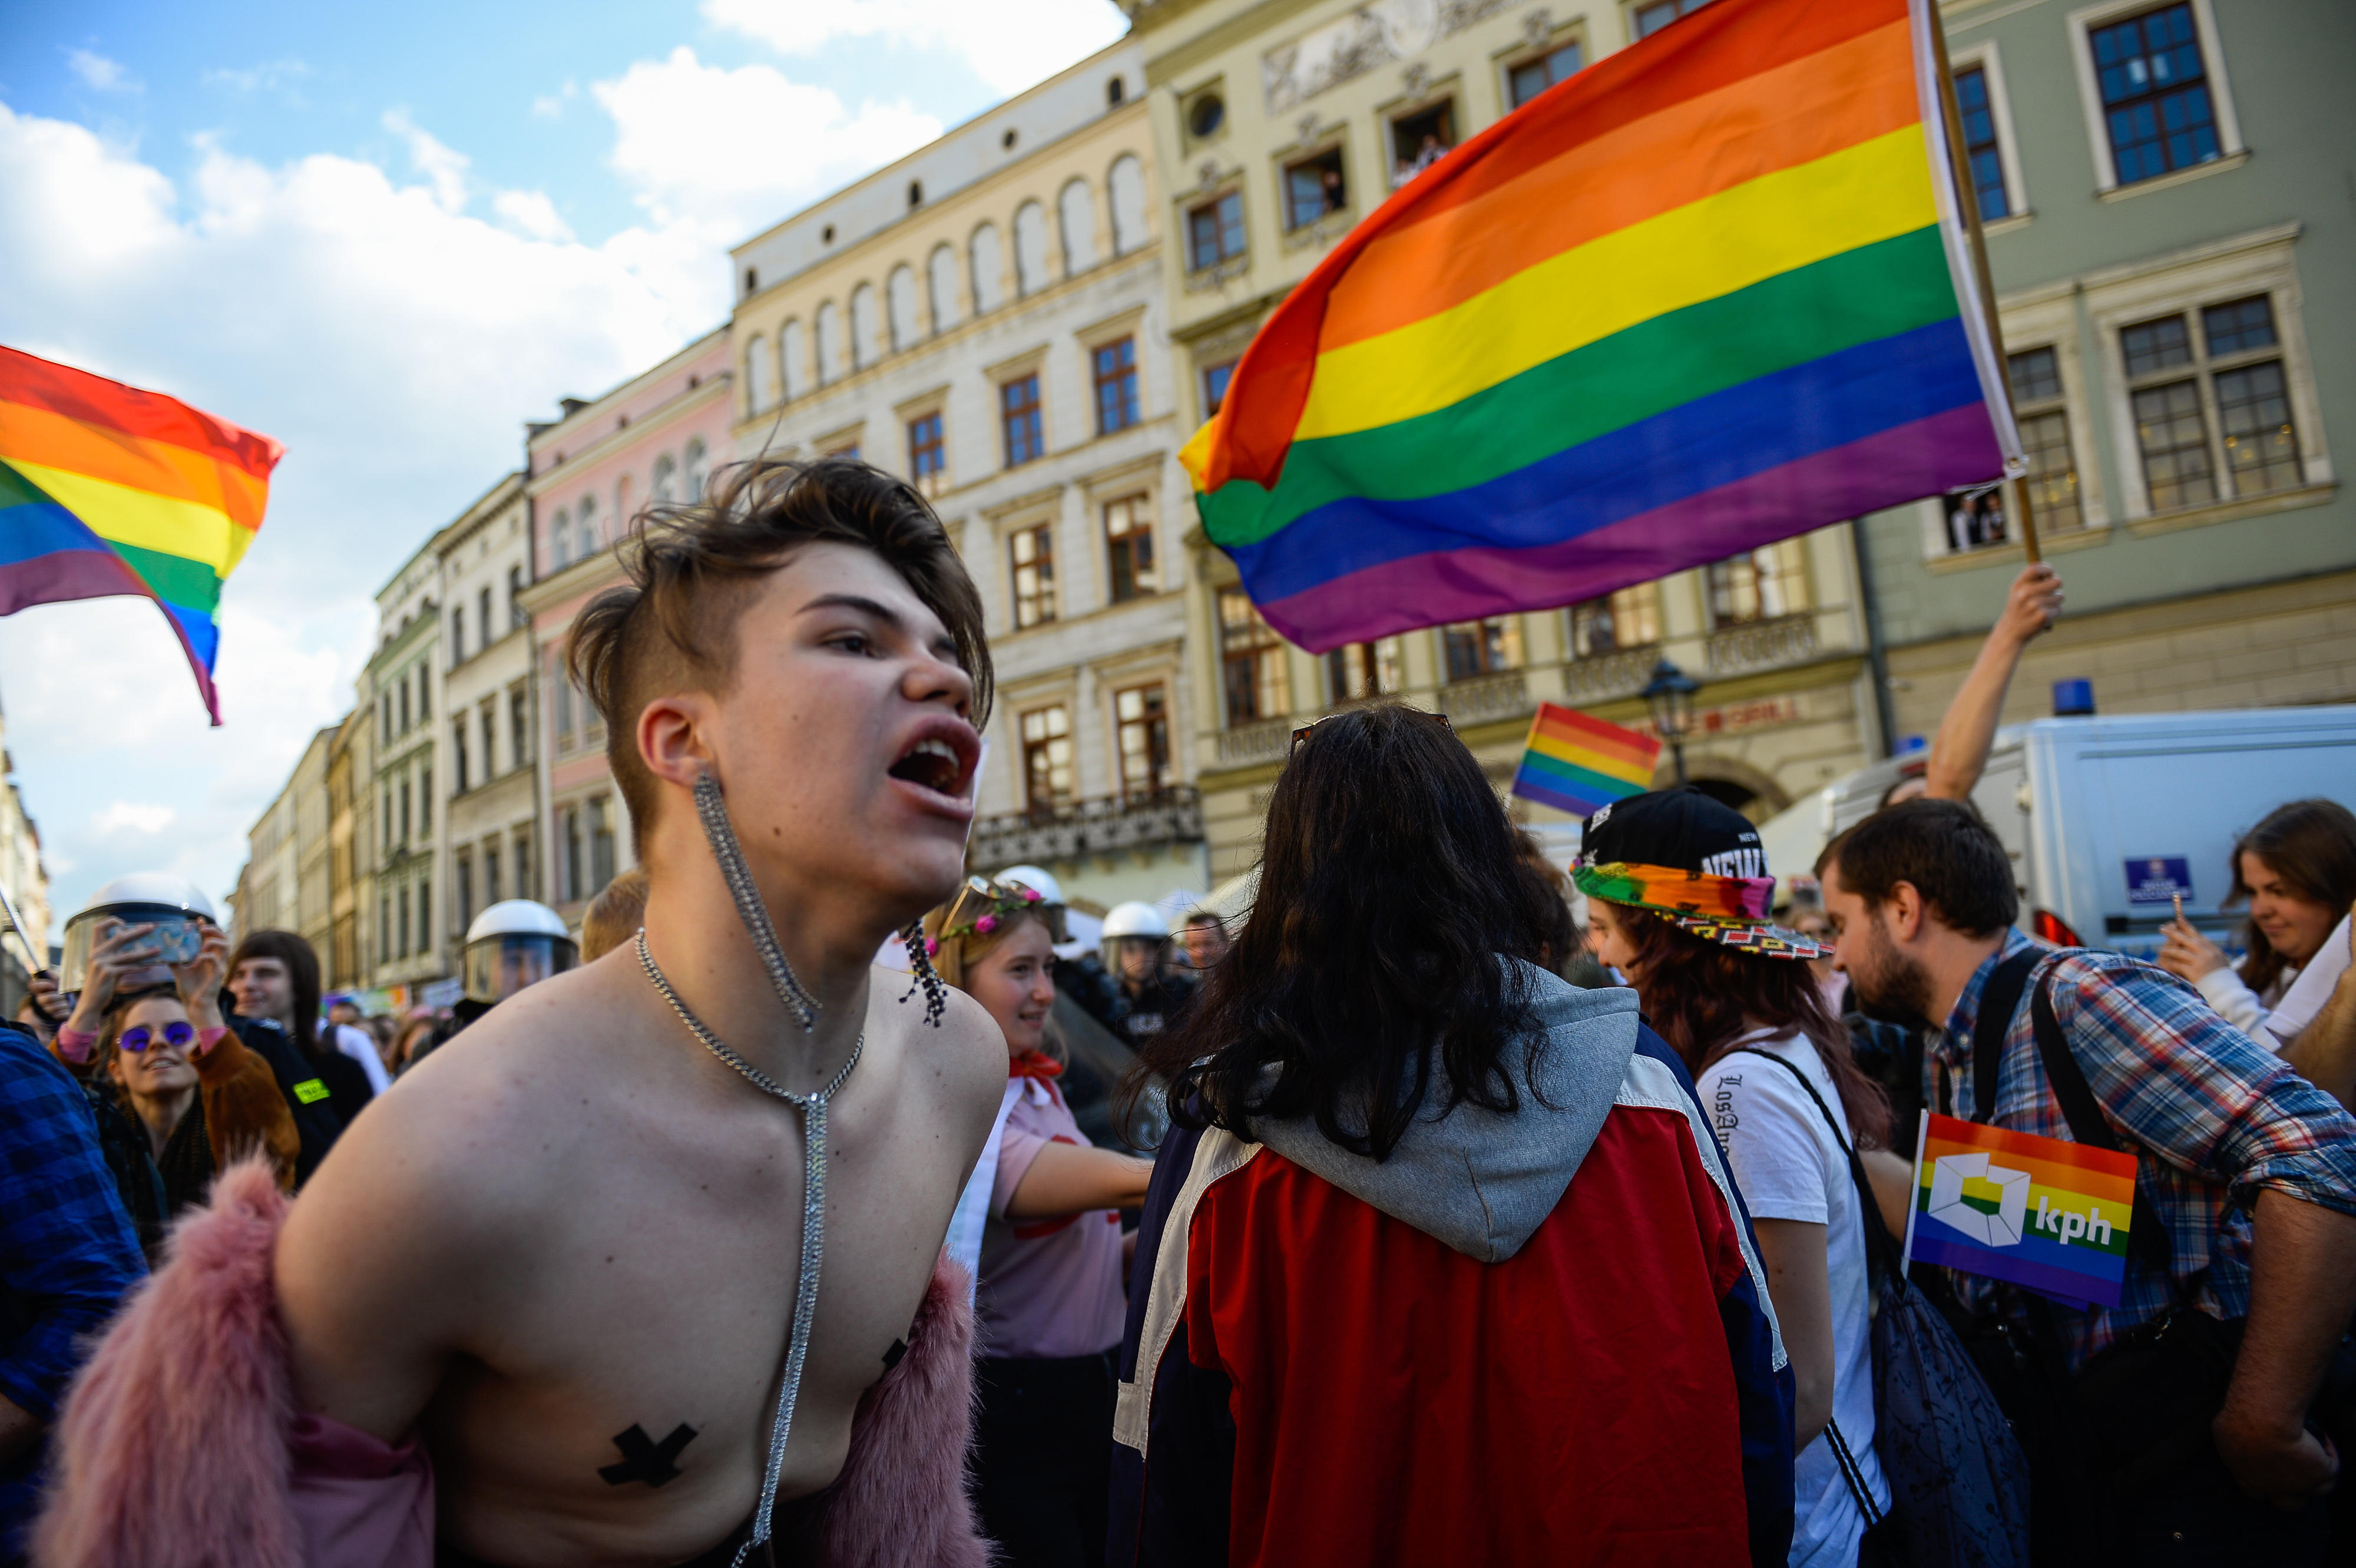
(1034, 1065)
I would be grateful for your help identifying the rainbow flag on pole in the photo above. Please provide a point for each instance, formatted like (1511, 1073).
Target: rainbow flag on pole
(2040, 1212)
(108, 489)
(1581, 765)
(1711, 291)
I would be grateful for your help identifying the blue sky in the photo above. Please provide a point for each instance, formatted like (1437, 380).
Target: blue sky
(388, 245)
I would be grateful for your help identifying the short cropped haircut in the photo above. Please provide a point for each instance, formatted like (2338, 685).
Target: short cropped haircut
(693, 568)
(613, 915)
(1944, 847)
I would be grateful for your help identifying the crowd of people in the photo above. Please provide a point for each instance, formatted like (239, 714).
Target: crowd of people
(1448, 1204)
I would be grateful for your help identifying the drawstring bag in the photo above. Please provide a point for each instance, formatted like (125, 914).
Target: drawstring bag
(1958, 1480)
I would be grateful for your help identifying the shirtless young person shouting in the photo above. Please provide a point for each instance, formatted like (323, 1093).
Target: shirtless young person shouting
(566, 1249)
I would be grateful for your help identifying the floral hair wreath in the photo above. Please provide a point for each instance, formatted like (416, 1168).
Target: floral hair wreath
(990, 905)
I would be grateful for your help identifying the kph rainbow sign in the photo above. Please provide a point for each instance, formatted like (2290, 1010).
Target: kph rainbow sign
(2038, 1212)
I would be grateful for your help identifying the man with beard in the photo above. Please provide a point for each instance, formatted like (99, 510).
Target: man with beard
(2244, 1230)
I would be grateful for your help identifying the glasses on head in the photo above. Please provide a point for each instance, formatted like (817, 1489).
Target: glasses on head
(177, 1036)
(1302, 733)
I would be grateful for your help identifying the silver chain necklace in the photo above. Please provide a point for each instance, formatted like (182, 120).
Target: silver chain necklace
(789, 987)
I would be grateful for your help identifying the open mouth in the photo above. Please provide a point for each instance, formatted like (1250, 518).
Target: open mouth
(937, 761)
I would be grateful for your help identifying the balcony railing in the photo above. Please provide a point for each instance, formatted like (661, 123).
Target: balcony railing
(1486, 697)
(1761, 645)
(1608, 675)
(1090, 827)
(1267, 741)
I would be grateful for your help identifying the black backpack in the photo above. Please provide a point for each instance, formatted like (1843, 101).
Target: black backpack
(1958, 1479)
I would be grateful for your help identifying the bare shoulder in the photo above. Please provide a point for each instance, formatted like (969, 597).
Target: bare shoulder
(958, 1067)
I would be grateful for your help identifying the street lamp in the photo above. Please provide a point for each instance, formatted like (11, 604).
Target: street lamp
(1669, 695)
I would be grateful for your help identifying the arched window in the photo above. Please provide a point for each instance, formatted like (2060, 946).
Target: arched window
(624, 488)
(863, 326)
(1076, 207)
(756, 375)
(666, 479)
(1030, 248)
(1128, 184)
(989, 269)
(830, 343)
(560, 539)
(585, 545)
(793, 359)
(691, 487)
(900, 305)
(941, 282)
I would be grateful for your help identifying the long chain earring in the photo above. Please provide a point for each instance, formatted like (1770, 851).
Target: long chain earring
(721, 836)
(920, 961)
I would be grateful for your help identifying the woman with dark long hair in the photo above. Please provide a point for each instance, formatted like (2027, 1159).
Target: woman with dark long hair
(2297, 872)
(1440, 1262)
(1678, 893)
(274, 977)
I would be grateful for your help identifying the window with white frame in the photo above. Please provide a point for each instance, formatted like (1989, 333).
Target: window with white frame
(2041, 407)
(2154, 87)
(2212, 403)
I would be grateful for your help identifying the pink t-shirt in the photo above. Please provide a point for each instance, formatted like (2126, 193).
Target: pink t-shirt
(1048, 1287)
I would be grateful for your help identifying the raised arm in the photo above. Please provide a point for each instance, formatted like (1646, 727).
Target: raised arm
(1959, 752)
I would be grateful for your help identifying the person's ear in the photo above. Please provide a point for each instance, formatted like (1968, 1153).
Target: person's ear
(671, 740)
(1907, 912)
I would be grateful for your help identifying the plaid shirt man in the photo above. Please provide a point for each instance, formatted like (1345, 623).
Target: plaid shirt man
(2214, 1119)
(67, 1250)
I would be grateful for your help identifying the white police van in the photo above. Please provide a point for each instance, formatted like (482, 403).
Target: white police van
(2108, 818)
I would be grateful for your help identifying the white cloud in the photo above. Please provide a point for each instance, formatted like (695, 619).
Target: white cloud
(731, 150)
(444, 167)
(98, 71)
(551, 105)
(1010, 44)
(271, 76)
(130, 816)
(531, 213)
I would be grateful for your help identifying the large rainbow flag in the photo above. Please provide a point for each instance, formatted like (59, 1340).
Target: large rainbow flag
(1711, 291)
(2041, 1212)
(1577, 764)
(108, 489)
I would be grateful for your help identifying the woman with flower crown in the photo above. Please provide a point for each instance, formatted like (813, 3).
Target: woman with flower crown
(1048, 1304)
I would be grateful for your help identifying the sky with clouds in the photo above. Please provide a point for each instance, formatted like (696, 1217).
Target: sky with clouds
(388, 244)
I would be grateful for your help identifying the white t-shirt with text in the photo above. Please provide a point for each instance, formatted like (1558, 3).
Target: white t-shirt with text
(1788, 1167)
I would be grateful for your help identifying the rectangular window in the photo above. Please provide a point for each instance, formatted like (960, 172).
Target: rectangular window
(463, 886)
(2156, 104)
(523, 863)
(490, 731)
(425, 690)
(404, 810)
(2052, 476)
(1980, 150)
(384, 929)
(516, 615)
(1143, 719)
(404, 704)
(572, 888)
(1356, 671)
(491, 894)
(458, 755)
(1252, 661)
(564, 712)
(425, 914)
(1421, 139)
(1033, 552)
(1214, 386)
(1215, 231)
(848, 449)
(425, 800)
(1614, 623)
(1532, 77)
(1128, 548)
(484, 630)
(601, 843)
(1046, 760)
(401, 931)
(2253, 412)
(928, 455)
(457, 637)
(1115, 367)
(1313, 187)
(1651, 19)
(1483, 647)
(1018, 409)
(519, 728)
(1761, 586)
(2234, 420)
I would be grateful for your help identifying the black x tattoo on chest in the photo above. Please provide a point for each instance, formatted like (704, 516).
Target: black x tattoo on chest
(643, 1459)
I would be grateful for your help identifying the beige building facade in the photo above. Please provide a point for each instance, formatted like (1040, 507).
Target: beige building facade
(486, 703)
(989, 318)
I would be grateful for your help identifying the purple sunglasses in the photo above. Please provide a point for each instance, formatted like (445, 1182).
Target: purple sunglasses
(175, 1035)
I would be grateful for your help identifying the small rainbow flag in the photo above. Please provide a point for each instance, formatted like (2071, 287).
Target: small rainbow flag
(108, 489)
(2043, 1213)
(1579, 765)
(1707, 293)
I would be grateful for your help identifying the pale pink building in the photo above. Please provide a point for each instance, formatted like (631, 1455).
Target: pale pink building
(657, 436)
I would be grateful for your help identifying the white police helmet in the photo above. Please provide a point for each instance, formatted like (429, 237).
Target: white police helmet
(515, 944)
(176, 906)
(1037, 878)
(1135, 919)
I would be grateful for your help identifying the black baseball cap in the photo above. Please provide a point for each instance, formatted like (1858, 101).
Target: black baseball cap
(1693, 860)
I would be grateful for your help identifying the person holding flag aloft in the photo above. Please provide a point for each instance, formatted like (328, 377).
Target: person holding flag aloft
(2182, 1425)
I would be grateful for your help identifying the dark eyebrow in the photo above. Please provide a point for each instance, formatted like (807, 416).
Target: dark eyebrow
(889, 617)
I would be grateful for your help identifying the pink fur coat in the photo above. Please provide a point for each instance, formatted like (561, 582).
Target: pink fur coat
(179, 1446)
